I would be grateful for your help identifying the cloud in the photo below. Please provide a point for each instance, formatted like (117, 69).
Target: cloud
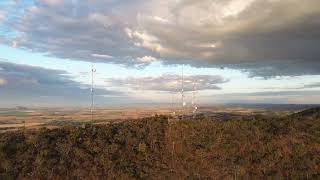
(80, 30)
(273, 68)
(241, 34)
(248, 30)
(52, 2)
(235, 32)
(279, 93)
(160, 19)
(267, 97)
(146, 59)
(14, 44)
(23, 84)
(101, 56)
(313, 85)
(2, 15)
(3, 81)
(170, 83)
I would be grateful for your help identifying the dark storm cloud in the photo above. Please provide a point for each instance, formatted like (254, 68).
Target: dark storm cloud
(170, 83)
(259, 36)
(273, 68)
(29, 84)
(246, 30)
(271, 34)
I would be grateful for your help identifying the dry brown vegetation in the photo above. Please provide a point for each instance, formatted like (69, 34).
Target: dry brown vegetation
(155, 148)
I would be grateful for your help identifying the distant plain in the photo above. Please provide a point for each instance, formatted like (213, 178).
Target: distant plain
(20, 117)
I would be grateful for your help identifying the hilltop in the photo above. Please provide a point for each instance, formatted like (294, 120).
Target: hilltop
(155, 148)
(308, 113)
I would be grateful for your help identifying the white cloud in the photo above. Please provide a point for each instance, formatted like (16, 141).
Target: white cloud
(169, 82)
(14, 44)
(148, 41)
(157, 18)
(128, 31)
(212, 45)
(102, 56)
(146, 59)
(200, 33)
(101, 19)
(2, 15)
(3, 81)
(52, 2)
(235, 7)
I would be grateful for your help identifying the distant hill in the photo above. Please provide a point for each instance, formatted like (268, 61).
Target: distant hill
(308, 113)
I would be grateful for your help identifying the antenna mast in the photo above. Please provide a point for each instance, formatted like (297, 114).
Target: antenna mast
(182, 90)
(172, 103)
(195, 108)
(93, 70)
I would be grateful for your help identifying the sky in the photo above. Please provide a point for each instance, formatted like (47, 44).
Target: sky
(230, 51)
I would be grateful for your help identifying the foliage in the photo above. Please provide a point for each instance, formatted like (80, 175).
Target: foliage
(153, 148)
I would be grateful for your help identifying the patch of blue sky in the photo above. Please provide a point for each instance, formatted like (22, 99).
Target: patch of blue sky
(14, 10)
(80, 71)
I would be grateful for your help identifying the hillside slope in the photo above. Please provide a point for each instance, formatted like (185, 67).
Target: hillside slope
(308, 113)
(153, 148)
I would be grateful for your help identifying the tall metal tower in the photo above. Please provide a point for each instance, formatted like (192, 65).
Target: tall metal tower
(194, 92)
(183, 103)
(93, 71)
(172, 103)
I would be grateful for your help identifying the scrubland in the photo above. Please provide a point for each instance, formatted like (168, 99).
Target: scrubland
(162, 147)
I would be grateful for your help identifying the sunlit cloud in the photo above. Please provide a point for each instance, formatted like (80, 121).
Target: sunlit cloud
(231, 33)
(146, 59)
(101, 56)
(170, 83)
(3, 81)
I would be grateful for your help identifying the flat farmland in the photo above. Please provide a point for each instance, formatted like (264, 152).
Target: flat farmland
(13, 119)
